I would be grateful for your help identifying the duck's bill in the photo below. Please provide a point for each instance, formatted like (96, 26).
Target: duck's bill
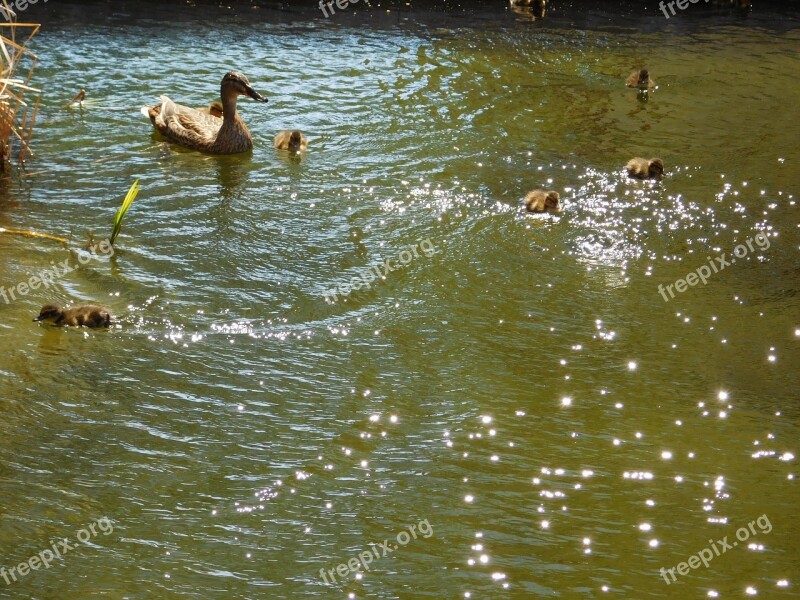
(254, 94)
(38, 318)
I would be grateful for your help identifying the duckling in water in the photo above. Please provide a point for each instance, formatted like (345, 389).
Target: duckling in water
(640, 79)
(533, 9)
(539, 201)
(88, 315)
(294, 141)
(535, 3)
(641, 168)
(200, 130)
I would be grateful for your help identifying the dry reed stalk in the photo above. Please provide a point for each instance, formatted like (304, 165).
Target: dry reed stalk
(16, 58)
(34, 234)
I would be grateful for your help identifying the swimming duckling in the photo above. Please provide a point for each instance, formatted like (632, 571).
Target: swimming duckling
(539, 201)
(533, 9)
(641, 168)
(294, 141)
(88, 315)
(534, 3)
(640, 79)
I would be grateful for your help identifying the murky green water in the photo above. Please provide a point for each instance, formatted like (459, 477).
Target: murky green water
(524, 396)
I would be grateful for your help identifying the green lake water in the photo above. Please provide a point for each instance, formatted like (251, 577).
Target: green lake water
(522, 394)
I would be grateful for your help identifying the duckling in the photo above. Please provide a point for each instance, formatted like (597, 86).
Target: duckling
(294, 141)
(535, 3)
(641, 168)
(87, 315)
(532, 9)
(539, 201)
(214, 109)
(640, 79)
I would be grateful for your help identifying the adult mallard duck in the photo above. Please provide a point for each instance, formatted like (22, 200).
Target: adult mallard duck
(294, 141)
(87, 315)
(203, 131)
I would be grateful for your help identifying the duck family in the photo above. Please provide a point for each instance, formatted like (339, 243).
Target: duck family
(202, 130)
(218, 129)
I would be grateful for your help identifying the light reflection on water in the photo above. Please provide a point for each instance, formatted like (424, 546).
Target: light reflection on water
(526, 389)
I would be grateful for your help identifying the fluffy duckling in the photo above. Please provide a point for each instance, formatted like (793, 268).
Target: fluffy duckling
(294, 141)
(640, 79)
(214, 109)
(530, 8)
(539, 201)
(88, 315)
(641, 168)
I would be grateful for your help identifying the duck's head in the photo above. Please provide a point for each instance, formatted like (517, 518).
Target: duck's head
(552, 202)
(49, 312)
(644, 76)
(239, 84)
(295, 139)
(656, 168)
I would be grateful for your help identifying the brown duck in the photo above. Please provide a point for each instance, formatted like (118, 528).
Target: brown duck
(640, 79)
(539, 201)
(641, 168)
(87, 315)
(200, 129)
(294, 141)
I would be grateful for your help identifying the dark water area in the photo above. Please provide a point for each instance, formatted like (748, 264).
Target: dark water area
(521, 409)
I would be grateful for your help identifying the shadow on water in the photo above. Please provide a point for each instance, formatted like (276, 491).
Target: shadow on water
(233, 173)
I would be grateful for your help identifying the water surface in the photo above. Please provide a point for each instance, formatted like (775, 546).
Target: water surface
(525, 390)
